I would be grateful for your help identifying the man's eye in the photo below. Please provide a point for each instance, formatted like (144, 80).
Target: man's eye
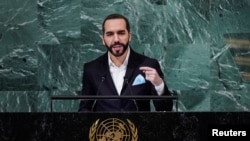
(121, 33)
(109, 34)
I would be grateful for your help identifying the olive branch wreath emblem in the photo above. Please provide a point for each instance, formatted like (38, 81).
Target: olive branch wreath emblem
(133, 130)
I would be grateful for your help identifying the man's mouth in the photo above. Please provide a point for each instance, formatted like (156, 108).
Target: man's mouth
(117, 47)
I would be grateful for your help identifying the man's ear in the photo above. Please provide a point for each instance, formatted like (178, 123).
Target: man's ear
(130, 36)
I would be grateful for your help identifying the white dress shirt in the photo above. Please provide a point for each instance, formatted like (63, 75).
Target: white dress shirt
(118, 74)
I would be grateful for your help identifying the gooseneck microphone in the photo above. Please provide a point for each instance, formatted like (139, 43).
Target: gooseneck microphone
(131, 93)
(98, 91)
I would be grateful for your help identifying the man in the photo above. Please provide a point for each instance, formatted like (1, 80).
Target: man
(122, 71)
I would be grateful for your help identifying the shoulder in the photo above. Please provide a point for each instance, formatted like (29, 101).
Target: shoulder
(137, 57)
(94, 64)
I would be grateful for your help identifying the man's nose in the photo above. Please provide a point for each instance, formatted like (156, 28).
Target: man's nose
(116, 38)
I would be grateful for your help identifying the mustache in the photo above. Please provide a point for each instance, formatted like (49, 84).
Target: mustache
(117, 44)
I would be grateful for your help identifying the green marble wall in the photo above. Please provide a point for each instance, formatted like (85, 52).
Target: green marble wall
(44, 44)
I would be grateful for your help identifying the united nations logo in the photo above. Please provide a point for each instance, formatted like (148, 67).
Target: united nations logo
(113, 129)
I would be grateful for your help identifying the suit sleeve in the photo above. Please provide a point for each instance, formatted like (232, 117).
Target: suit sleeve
(85, 104)
(165, 104)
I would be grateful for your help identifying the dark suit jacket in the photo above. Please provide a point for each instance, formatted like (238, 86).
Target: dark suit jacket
(97, 80)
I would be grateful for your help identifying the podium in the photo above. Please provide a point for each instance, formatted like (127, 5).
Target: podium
(140, 126)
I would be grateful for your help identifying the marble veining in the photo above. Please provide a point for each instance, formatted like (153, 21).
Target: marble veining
(44, 44)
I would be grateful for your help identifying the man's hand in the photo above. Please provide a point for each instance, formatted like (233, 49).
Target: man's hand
(151, 75)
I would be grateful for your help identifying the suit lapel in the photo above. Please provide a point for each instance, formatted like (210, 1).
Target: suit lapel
(104, 69)
(133, 63)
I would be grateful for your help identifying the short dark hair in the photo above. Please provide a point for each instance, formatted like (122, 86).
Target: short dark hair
(116, 16)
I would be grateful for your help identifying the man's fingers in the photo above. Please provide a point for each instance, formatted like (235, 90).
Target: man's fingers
(144, 68)
(151, 75)
(147, 70)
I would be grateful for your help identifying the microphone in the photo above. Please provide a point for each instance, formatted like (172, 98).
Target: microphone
(98, 91)
(131, 93)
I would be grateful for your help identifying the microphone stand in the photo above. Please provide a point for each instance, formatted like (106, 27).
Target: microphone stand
(97, 93)
(131, 93)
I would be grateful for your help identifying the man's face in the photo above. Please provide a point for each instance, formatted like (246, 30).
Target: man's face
(116, 36)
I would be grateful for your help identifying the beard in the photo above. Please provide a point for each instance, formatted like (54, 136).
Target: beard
(117, 53)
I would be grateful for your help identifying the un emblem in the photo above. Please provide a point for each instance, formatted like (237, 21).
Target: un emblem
(113, 129)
